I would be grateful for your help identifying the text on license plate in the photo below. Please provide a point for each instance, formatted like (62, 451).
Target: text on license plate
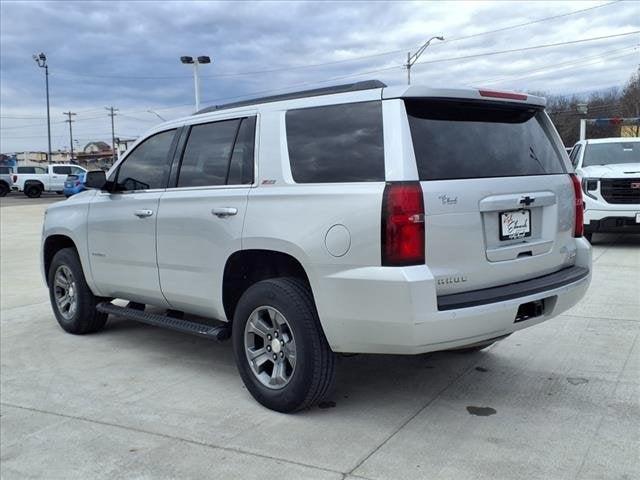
(515, 224)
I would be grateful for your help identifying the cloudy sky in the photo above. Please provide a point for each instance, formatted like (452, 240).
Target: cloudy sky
(126, 54)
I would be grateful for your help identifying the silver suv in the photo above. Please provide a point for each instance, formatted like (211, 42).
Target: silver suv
(358, 218)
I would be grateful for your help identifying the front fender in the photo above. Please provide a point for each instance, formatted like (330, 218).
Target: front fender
(70, 219)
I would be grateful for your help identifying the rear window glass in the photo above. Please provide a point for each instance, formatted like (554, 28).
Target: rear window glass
(454, 140)
(336, 143)
(611, 153)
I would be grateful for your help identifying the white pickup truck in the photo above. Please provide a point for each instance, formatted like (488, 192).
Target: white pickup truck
(35, 180)
(609, 169)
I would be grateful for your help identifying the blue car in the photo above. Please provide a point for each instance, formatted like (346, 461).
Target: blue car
(74, 184)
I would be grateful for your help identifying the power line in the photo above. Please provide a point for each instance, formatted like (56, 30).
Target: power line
(554, 64)
(525, 49)
(504, 29)
(347, 60)
(101, 117)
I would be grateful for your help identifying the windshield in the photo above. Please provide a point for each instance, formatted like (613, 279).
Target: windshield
(611, 153)
(463, 139)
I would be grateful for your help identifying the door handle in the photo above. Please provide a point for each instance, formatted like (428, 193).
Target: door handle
(224, 211)
(143, 213)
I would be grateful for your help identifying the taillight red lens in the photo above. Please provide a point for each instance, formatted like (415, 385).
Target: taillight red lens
(578, 229)
(402, 224)
(15, 178)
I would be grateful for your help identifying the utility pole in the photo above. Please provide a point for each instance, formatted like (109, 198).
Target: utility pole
(69, 121)
(41, 60)
(412, 59)
(112, 113)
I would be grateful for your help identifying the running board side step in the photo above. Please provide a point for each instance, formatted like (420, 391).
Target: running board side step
(219, 333)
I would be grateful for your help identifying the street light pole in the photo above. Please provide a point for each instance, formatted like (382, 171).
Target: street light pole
(203, 59)
(41, 60)
(412, 59)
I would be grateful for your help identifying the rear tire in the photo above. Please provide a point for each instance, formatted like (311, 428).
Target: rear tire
(33, 191)
(73, 303)
(4, 189)
(284, 306)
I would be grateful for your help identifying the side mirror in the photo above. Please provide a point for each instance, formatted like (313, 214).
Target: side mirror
(96, 179)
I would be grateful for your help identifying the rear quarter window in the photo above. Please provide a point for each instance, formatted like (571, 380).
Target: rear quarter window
(456, 140)
(336, 143)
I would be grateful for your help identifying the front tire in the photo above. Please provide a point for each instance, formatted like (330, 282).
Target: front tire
(73, 303)
(4, 189)
(280, 349)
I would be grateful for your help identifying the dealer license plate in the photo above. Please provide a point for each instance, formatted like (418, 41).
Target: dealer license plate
(515, 224)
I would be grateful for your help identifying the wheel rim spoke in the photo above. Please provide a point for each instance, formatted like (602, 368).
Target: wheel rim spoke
(278, 375)
(276, 318)
(257, 326)
(61, 279)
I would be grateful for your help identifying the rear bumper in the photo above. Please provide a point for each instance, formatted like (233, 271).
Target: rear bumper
(513, 291)
(395, 310)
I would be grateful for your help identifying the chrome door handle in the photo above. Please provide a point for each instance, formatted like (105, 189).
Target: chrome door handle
(143, 213)
(224, 211)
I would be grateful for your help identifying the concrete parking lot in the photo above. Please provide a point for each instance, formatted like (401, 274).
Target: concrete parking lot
(557, 401)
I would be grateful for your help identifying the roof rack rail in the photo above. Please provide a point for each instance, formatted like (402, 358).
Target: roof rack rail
(316, 92)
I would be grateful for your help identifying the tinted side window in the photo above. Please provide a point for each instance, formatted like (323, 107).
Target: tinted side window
(62, 170)
(148, 165)
(207, 156)
(337, 143)
(5, 170)
(26, 169)
(241, 166)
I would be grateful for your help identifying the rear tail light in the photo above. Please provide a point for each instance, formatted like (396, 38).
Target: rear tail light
(78, 182)
(578, 229)
(15, 178)
(403, 233)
